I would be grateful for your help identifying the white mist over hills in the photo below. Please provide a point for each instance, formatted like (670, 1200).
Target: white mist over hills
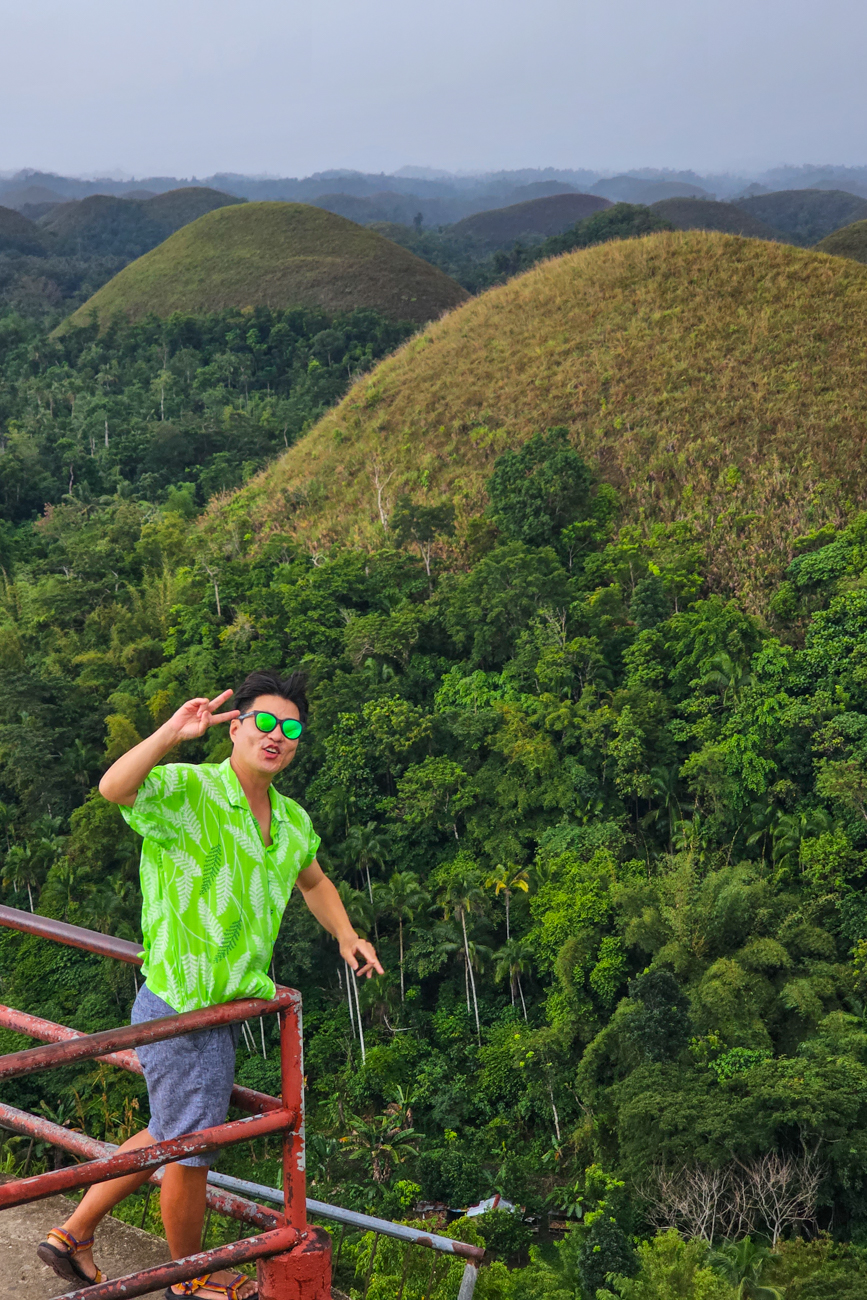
(439, 196)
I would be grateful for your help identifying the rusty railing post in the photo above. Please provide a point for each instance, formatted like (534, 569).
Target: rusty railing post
(305, 1271)
(292, 1085)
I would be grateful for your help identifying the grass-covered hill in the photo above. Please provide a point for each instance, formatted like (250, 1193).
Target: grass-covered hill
(17, 234)
(806, 215)
(178, 208)
(708, 378)
(275, 255)
(851, 241)
(636, 189)
(708, 214)
(535, 219)
(100, 225)
(108, 226)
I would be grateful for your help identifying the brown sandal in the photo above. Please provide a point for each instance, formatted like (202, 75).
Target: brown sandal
(231, 1290)
(63, 1261)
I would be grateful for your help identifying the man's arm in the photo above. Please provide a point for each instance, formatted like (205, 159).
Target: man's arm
(324, 902)
(122, 780)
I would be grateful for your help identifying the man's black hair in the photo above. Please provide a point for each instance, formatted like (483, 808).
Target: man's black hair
(293, 687)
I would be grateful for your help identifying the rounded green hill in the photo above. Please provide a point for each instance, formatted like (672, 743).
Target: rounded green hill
(535, 219)
(708, 214)
(806, 216)
(18, 234)
(176, 208)
(851, 241)
(275, 255)
(101, 224)
(710, 379)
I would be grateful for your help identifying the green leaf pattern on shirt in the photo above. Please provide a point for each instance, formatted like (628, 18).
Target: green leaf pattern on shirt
(212, 894)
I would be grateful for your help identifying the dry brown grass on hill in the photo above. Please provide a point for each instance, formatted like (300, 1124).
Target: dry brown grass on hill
(710, 378)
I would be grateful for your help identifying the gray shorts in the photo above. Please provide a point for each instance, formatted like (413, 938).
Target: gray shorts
(189, 1079)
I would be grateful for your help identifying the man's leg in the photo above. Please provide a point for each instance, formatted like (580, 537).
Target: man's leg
(100, 1200)
(182, 1205)
(182, 1202)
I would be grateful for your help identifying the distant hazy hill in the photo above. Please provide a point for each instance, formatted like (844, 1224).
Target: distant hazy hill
(107, 226)
(178, 208)
(387, 206)
(275, 255)
(633, 189)
(669, 359)
(536, 219)
(20, 196)
(851, 241)
(806, 215)
(17, 234)
(707, 214)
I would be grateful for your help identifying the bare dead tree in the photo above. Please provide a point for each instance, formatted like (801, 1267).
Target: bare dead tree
(694, 1200)
(383, 504)
(784, 1189)
(770, 1193)
(214, 576)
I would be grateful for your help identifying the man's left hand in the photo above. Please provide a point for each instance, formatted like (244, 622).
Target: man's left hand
(361, 957)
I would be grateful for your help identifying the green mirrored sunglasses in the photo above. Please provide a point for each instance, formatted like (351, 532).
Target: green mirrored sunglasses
(266, 722)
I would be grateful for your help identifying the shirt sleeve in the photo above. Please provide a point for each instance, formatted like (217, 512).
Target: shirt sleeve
(159, 805)
(313, 842)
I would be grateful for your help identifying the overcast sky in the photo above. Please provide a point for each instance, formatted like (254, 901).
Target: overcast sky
(192, 87)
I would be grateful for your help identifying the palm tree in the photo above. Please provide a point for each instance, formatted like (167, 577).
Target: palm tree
(726, 676)
(504, 879)
(664, 781)
(366, 844)
(20, 870)
(383, 1140)
(460, 897)
(791, 830)
(513, 961)
(402, 897)
(742, 1263)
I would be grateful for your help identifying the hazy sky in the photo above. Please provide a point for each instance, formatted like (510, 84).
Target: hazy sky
(191, 87)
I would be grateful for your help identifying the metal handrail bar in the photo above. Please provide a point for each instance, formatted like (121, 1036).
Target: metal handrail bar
(287, 1003)
(43, 1130)
(181, 1270)
(45, 927)
(85, 1048)
(352, 1219)
(140, 1159)
(49, 1032)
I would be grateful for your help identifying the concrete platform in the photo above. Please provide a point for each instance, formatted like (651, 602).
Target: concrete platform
(119, 1249)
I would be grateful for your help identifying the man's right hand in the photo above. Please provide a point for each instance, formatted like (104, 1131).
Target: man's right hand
(122, 780)
(194, 718)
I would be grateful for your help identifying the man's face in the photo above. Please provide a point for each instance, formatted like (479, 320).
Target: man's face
(256, 751)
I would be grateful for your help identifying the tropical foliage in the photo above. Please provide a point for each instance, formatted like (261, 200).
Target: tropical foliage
(609, 828)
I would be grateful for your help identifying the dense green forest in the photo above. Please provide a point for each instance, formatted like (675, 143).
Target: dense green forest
(608, 829)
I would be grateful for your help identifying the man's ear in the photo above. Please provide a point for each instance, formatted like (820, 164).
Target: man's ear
(234, 727)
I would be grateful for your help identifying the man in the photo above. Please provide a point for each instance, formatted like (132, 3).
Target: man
(222, 850)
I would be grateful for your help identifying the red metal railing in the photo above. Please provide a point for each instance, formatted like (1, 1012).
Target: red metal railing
(299, 1257)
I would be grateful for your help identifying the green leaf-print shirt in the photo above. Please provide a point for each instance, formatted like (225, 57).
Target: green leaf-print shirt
(212, 894)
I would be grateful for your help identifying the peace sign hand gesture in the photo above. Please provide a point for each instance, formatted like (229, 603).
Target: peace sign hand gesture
(194, 718)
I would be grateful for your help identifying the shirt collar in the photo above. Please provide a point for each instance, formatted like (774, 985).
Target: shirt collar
(238, 799)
